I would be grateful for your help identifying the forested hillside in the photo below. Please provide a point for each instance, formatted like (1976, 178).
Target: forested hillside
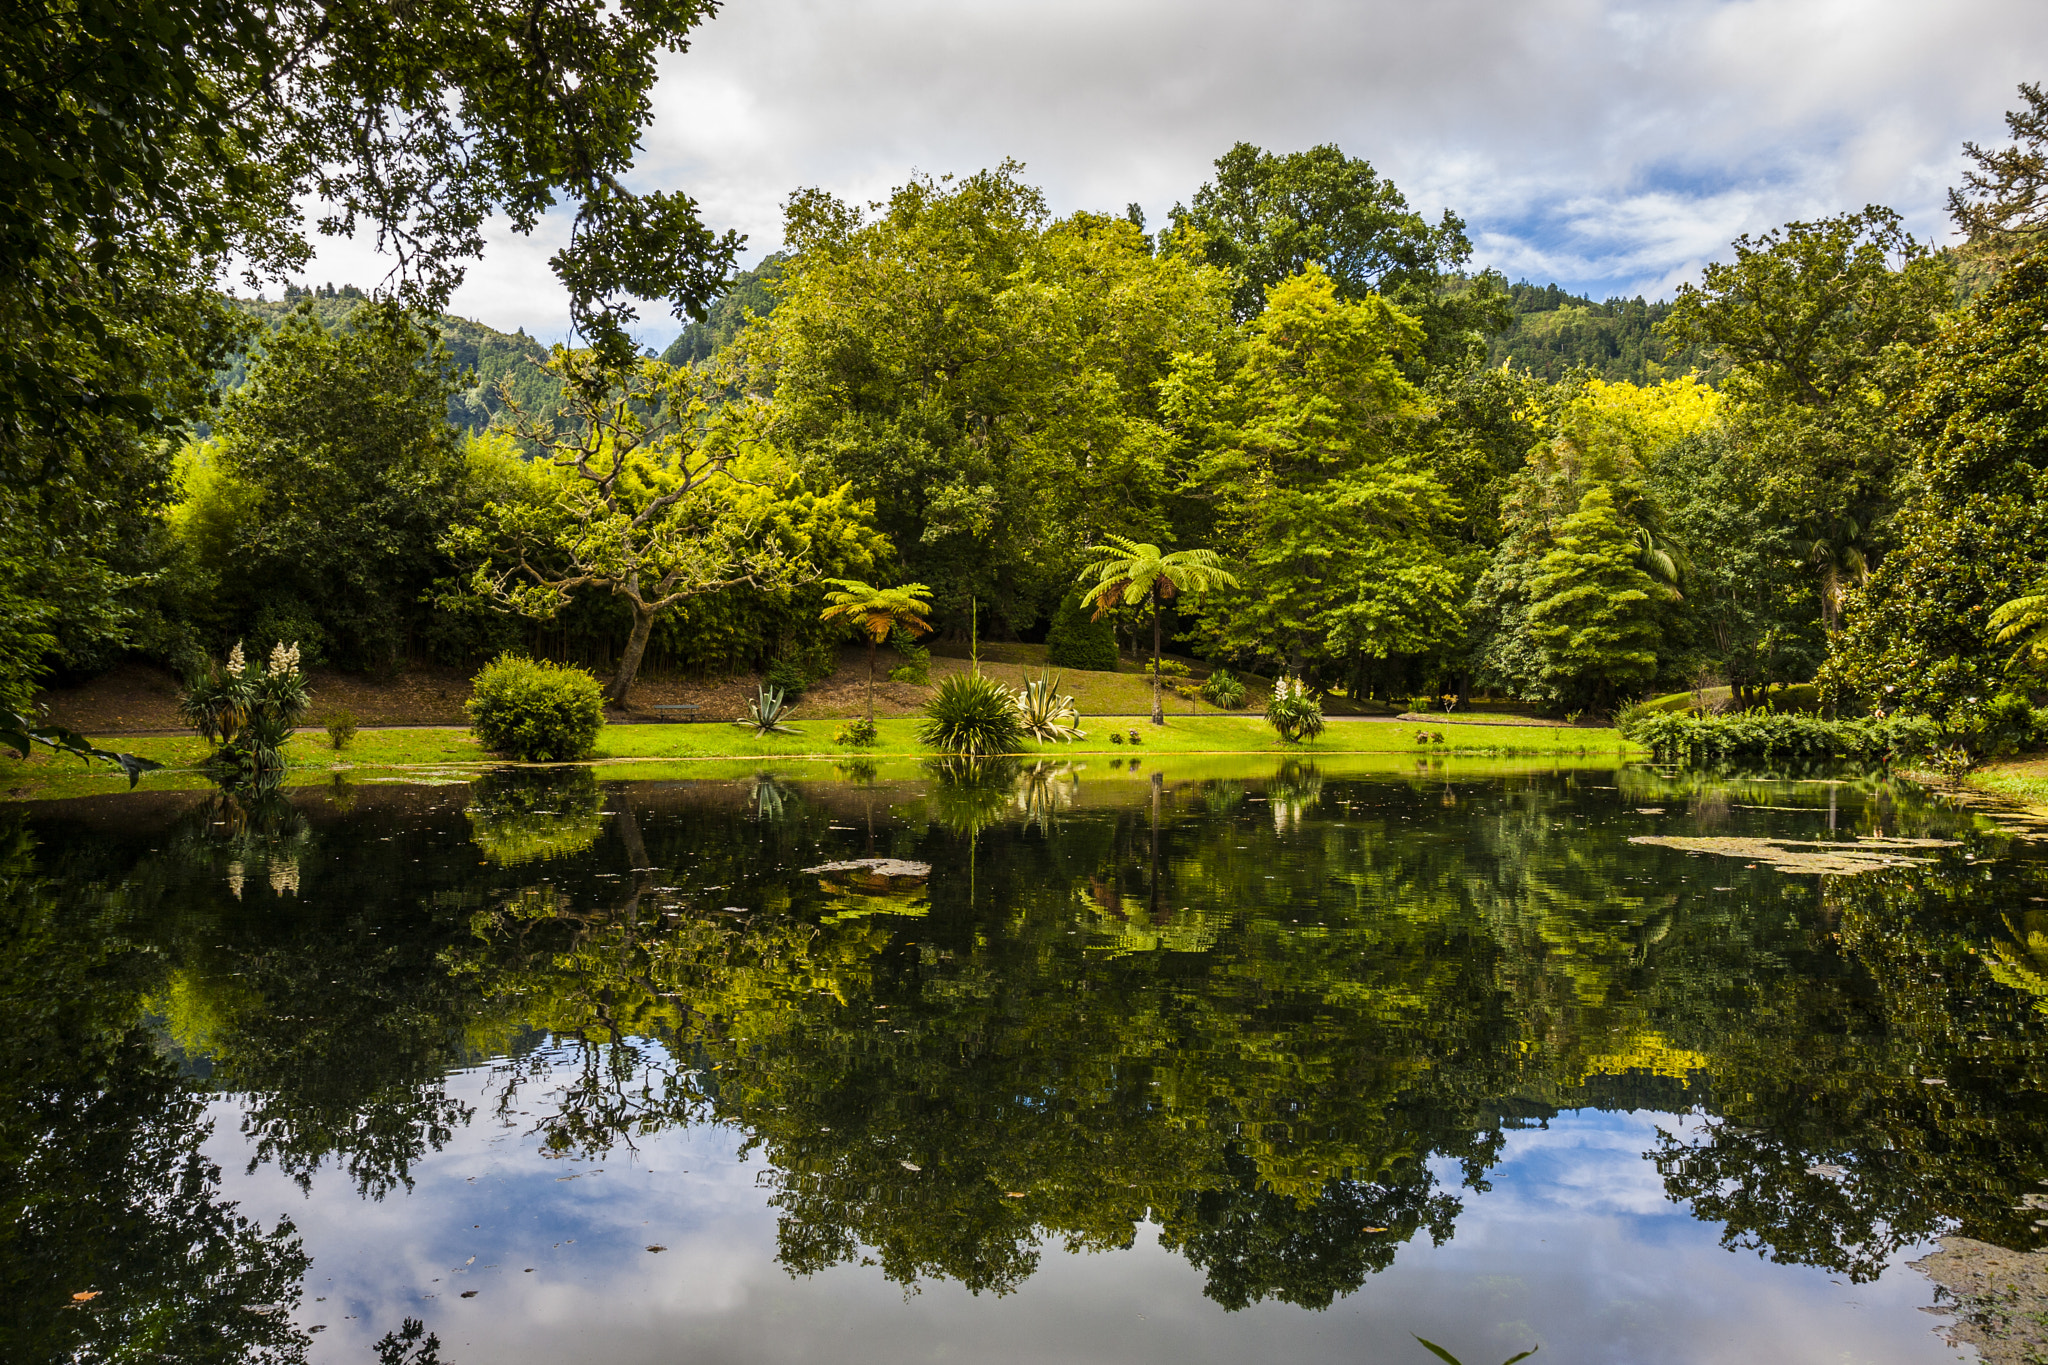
(1555, 332)
(487, 355)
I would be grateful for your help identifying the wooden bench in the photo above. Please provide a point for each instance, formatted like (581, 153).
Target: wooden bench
(689, 707)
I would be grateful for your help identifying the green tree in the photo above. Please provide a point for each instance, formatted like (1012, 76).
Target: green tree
(1592, 610)
(1820, 324)
(2002, 203)
(1266, 216)
(345, 472)
(653, 502)
(1130, 572)
(876, 612)
(155, 145)
(1304, 454)
(987, 376)
(1975, 533)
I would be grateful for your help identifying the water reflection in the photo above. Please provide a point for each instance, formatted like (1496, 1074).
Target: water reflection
(1285, 1021)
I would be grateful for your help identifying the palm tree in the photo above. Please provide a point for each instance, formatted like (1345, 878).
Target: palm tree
(1133, 571)
(876, 612)
(2024, 622)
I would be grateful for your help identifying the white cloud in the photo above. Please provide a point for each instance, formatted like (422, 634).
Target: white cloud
(1611, 145)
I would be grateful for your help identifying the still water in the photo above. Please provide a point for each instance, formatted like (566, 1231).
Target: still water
(1259, 1064)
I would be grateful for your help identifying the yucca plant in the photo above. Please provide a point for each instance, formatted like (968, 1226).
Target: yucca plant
(766, 713)
(972, 716)
(1048, 716)
(1294, 711)
(249, 713)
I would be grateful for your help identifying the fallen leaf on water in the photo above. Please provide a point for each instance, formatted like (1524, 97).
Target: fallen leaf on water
(1013, 1194)
(86, 1296)
(657, 1248)
(1375, 1229)
(469, 1293)
(910, 1166)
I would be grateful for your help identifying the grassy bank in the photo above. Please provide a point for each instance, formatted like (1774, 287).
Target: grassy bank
(635, 751)
(2024, 780)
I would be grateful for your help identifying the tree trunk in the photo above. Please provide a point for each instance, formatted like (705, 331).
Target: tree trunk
(1158, 716)
(629, 661)
(871, 679)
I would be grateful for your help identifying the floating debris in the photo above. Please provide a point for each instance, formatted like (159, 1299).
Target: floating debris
(890, 868)
(1841, 858)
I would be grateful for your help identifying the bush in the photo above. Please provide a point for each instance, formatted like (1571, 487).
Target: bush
(856, 734)
(1221, 689)
(973, 716)
(341, 729)
(1077, 642)
(1685, 735)
(1294, 711)
(791, 677)
(917, 660)
(535, 711)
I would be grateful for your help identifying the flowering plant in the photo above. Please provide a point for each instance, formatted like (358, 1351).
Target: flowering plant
(1294, 711)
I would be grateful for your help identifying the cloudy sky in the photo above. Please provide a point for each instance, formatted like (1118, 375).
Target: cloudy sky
(1611, 146)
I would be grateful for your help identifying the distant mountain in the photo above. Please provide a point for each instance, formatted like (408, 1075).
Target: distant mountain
(747, 296)
(1555, 332)
(488, 354)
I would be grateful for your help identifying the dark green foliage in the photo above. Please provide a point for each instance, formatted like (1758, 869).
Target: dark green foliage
(155, 145)
(405, 1346)
(973, 716)
(858, 733)
(1267, 215)
(1975, 533)
(750, 295)
(917, 659)
(790, 677)
(1076, 640)
(1221, 689)
(1769, 734)
(483, 358)
(535, 711)
(341, 729)
(1592, 611)
(346, 474)
(1749, 612)
(1555, 334)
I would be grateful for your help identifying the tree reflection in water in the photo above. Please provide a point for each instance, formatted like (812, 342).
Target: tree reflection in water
(1259, 1014)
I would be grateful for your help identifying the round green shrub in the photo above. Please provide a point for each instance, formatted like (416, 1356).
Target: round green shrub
(974, 716)
(536, 711)
(1222, 689)
(1077, 642)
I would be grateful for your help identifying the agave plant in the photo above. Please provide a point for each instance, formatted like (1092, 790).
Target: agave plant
(1047, 715)
(767, 712)
(973, 716)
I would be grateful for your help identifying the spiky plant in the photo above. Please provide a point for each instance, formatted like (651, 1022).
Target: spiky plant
(1294, 711)
(1048, 716)
(972, 716)
(766, 713)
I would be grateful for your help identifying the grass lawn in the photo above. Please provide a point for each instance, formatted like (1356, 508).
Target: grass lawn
(2022, 779)
(635, 751)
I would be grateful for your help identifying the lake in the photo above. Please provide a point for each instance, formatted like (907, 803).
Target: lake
(1193, 1061)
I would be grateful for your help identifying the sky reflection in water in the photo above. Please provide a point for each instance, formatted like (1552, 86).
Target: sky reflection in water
(1281, 1065)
